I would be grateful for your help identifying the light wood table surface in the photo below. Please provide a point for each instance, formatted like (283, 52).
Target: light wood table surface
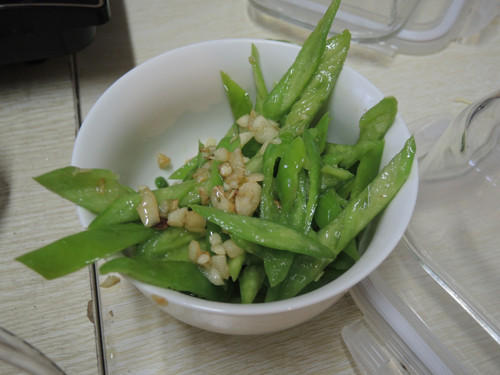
(41, 106)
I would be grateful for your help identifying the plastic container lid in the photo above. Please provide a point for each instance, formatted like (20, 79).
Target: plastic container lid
(433, 304)
(405, 26)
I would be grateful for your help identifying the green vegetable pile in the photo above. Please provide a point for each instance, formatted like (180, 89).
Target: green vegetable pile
(315, 198)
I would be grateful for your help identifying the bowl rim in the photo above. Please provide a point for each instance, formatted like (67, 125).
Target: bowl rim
(341, 285)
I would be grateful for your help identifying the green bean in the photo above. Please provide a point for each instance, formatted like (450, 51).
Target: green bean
(328, 276)
(264, 232)
(329, 206)
(251, 148)
(312, 164)
(231, 141)
(342, 263)
(241, 104)
(318, 90)
(340, 174)
(193, 195)
(251, 280)
(369, 165)
(235, 265)
(297, 204)
(272, 294)
(260, 83)
(123, 209)
(291, 163)
(369, 202)
(276, 263)
(161, 242)
(304, 270)
(179, 276)
(254, 165)
(289, 88)
(296, 217)
(93, 189)
(322, 132)
(239, 99)
(355, 217)
(268, 208)
(185, 171)
(250, 247)
(74, 252)
(351, 250)
(373, 126)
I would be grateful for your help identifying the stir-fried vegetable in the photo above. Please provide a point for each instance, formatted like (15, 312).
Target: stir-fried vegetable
(270, 211)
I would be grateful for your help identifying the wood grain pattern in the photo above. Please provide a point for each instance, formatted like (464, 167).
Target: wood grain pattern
(37, 129)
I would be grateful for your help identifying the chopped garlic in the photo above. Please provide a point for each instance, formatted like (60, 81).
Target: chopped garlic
(194, 250)
(203, 258)
(110, 281)
(219, 200)
(211, 142)
(232, 249)
(148, 207)
(248, 198)
(243, 121)
(177, 218)
(265, 134)
(163, 160)
(221, 154)
(219, 262)
(215, 239)
(245, 137)
(194, 222)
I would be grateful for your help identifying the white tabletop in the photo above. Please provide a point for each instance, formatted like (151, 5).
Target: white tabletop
(38, 120)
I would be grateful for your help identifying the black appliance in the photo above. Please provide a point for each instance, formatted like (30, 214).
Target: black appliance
(34, 30)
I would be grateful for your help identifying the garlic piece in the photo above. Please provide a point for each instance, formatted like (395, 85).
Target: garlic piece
(248, 198)
(148, 207)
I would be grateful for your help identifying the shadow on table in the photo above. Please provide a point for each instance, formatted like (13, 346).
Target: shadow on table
(4, 188)
(105, 60)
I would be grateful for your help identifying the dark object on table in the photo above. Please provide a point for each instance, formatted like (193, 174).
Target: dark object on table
(33, 30)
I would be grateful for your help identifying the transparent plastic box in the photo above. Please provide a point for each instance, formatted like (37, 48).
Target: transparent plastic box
(433, 307)
(404, 26)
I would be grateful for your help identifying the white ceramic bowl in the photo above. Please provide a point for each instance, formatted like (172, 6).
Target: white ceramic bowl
(170, 102)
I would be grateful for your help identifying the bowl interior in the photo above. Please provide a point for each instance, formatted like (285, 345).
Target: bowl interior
(170, 102)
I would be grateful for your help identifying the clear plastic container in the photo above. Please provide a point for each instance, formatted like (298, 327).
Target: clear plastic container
(433, 306)
(405, 26)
